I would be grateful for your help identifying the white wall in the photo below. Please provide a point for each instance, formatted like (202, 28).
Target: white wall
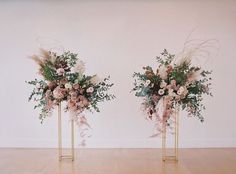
(115, 38)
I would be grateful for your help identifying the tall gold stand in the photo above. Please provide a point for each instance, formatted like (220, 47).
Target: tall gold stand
(174, 157)
(60, 156)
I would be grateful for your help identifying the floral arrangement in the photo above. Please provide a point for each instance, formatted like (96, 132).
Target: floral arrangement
(169, 86)
(63, 80)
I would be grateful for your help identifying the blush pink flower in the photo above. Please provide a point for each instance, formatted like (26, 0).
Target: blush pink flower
(173, 82)
(58, 93)
(48, 93)
(155, 98)
(73, 95)
(49, 104)
(168, 87)
(60, 71)
(50, 85)
(63, 81)
(90, 90)
(76, 86)
(162, 72)
(70, 103)
(83, 102)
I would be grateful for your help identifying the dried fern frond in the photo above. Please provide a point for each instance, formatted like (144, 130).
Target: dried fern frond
(44, 54)
(36, 59)
(197, 49)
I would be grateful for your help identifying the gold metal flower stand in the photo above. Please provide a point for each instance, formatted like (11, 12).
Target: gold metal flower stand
(173, 157)
(60, 149)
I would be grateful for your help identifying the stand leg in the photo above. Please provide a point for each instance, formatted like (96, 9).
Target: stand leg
(72, 141)
(176, 133)
(59, 133)
(163, 142)
(60, 156)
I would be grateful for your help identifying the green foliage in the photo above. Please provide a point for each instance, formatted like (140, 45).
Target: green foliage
(148, 84)
(49, 73)
(166, 58)
(45, 92)
(70, 58)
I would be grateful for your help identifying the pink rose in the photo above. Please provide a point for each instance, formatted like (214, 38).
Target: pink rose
(73, 96)
(58, 93)
(60, 71)
(83, 101)
(63, 81)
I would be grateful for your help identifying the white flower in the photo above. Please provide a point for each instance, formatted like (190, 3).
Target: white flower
(186, 58)
(161, 91)
(90, 90)
(79, 67)
(95, 80)
(68, 86)
(38, 85)
(147, 83)
(182, 91)
(162, 72)
(60, 71)
(163, 84)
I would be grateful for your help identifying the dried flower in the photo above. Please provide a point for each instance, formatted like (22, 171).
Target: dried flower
(174, 85)
(79, 67)
(95, 80)
(193, 76)
(63, 80)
